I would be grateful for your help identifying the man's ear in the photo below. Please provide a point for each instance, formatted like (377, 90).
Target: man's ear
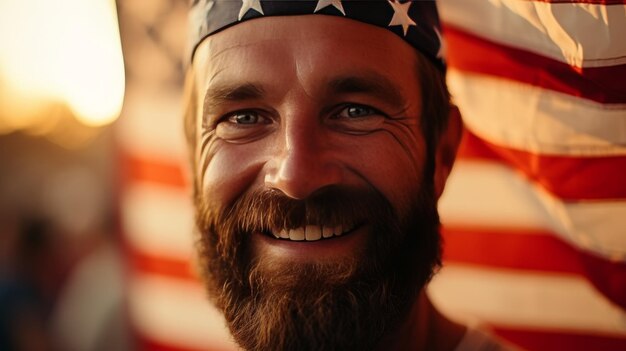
(446, 149)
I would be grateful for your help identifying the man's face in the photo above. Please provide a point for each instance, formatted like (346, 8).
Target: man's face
(311, 204)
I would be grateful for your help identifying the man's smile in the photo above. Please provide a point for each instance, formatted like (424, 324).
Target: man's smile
(312, 232)
(309, 244)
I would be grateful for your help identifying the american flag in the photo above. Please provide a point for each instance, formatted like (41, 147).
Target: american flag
(534, 214)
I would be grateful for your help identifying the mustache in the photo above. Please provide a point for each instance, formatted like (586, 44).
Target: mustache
(224, 240)
(270, 209)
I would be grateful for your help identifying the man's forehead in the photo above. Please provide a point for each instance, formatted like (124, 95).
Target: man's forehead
(329, 47)
(415, 22)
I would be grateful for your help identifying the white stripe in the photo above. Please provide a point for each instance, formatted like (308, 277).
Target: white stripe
(537, 120)
(91, 298)
(475, 194)
(524, 300)
(177, 313)
(158, 220)
(582, 35)
(490, 195)
(152, 124)
(597, 227)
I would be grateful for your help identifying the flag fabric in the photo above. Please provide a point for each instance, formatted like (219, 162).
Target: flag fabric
(534, 214)
(535, 211)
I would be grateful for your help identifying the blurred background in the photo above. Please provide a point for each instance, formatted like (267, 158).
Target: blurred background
(85, 133)
(96, 244)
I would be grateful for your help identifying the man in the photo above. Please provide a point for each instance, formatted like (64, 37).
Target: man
(322, 136)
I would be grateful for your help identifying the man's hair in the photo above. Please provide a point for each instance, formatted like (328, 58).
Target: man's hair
(434, 115)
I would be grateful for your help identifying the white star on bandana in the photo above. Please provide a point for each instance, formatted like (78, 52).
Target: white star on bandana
(250, 4)
(442, 44)
(401, 15)
(325, 3)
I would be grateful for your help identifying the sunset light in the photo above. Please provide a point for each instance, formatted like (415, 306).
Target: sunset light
(59, 53)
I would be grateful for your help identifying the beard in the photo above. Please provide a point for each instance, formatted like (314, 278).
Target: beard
(350, 303)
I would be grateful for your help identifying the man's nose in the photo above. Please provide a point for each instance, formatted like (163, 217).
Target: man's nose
(304, 162)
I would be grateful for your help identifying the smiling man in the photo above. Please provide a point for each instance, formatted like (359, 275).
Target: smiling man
(322, 136)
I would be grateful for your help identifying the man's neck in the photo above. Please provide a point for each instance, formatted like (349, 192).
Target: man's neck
(425, 329)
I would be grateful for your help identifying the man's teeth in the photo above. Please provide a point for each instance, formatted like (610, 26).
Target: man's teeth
(327, 232)
(312, 232)
(283, 234)
(297, 234)
(309, 233)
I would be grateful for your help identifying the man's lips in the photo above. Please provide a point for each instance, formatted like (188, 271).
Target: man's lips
(312, 232)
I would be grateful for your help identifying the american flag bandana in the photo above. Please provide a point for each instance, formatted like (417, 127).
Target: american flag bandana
(415, 21)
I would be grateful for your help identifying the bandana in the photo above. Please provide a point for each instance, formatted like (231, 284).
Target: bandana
(415, 21)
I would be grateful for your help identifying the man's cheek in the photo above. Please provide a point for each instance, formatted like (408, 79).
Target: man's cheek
(230, 171)
(392, 161)
(205, 149)
(407, 143)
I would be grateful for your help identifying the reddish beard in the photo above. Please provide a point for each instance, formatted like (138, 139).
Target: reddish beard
(347, 304)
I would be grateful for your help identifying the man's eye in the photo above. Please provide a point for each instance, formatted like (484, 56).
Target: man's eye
(357, 119)
(245, 117)
(356, 111)
(243, 126)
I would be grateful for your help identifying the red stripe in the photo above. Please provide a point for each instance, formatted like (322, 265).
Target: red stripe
(473, 147)
(569, 178)
(470, 53)
(161, 265)
(511, 249)
(145, 343)
(540, 340)
(534, 251)
(152, 170)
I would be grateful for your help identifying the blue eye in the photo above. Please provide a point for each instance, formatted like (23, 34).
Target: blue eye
(356, 111)
(244, 126)
(355, 118)
(244, 117)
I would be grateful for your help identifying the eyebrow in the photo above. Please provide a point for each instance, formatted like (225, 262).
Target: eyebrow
(220, 94)
(369, 83)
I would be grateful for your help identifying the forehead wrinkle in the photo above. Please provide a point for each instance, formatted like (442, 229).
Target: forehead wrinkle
(216, 49)
(210, 60)
(231, 92)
